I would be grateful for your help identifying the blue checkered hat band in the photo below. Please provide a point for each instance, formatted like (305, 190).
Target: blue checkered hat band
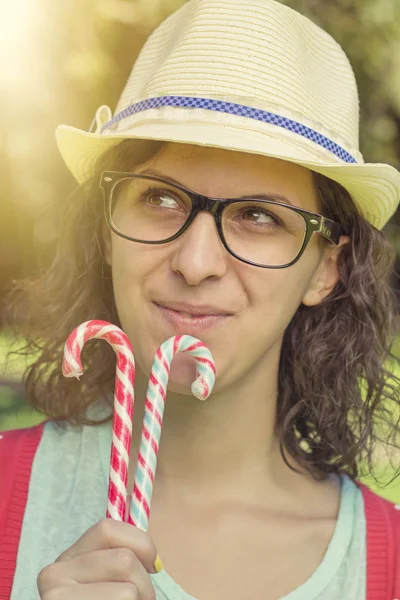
(234, 109)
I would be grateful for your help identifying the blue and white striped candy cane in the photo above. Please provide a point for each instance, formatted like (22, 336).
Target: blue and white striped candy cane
(154, 410)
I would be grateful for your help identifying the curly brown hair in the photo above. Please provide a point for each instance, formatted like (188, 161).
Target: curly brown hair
(335, 390)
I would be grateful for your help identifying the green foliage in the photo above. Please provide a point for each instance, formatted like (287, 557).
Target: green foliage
(14, 411)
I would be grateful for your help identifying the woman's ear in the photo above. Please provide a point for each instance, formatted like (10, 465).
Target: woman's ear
(326, 275)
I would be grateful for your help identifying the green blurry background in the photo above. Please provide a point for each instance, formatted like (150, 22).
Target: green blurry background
(61, 60)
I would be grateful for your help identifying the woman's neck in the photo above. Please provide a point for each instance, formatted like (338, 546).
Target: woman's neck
(221, 445)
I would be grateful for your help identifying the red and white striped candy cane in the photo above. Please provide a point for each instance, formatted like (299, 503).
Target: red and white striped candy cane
(123, 402)
(154, 409)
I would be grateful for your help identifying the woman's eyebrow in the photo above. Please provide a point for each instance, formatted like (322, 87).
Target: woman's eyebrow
(156, 173)
(272, 197)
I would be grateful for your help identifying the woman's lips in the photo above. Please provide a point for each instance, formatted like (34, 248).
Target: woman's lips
(183, 324)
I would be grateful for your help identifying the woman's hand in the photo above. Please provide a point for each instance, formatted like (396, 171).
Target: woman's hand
(111, 560)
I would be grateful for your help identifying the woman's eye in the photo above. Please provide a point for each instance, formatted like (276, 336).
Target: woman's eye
(161, 199)
(258, 216)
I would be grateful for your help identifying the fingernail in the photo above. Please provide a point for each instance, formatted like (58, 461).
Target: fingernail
(158, 564)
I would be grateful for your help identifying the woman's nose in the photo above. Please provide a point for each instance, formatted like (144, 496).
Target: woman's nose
(200, 253)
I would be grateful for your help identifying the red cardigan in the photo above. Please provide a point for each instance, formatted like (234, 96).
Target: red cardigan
(17, 450)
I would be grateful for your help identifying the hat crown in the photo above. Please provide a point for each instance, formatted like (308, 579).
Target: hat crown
(259, 53)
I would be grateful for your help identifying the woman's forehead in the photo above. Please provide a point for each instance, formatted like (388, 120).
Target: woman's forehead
(225, 173)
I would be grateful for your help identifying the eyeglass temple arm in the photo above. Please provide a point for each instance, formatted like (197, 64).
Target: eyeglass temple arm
(331, 230)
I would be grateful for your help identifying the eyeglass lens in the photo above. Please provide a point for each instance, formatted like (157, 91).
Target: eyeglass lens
(258, 231)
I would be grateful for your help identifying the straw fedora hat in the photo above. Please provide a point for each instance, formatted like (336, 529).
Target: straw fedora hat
(255, 77)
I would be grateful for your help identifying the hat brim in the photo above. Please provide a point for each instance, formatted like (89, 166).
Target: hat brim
(374, 187)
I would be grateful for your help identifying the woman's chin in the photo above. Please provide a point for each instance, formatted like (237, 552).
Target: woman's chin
(182, 374)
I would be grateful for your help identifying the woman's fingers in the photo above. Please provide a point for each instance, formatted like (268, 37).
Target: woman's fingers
(116, 564)
(111, 560)
(96, 591)
(108, 533)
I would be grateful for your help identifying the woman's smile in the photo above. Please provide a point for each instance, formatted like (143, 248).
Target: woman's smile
(192, 320)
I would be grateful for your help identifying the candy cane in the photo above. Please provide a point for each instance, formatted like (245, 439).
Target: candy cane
(123, 402)
(154, 409)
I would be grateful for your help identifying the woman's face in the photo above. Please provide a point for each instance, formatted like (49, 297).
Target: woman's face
(255, 305)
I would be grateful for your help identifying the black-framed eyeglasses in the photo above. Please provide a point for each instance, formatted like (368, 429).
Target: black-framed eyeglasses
(262, 233)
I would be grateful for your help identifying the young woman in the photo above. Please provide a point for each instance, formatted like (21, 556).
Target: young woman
(226, 199)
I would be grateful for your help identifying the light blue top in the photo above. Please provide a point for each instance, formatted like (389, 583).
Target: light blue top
(68, 494)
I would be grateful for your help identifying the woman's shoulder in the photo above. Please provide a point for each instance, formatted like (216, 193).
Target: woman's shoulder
(381, 514)
(50, 449)
(372, 500)
(383, 544)
(18, 447)
(25, 440)
(17, 451)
